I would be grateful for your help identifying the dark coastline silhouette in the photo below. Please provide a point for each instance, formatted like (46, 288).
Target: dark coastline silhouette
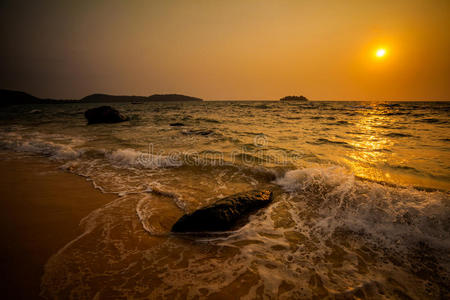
(99, 98)
(10, 97)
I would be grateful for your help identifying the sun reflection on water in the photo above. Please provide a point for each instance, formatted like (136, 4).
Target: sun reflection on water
(371, 149)
(381, 154)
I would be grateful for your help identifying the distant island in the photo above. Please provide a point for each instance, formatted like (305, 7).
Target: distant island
(9, 97)
(294, 98)
(103, 98)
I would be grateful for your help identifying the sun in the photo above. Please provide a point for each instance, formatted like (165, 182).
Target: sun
(380, 52)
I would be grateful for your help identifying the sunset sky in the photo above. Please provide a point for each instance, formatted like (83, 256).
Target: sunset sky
(234, 49)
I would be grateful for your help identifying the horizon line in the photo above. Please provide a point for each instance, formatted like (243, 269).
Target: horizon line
(224, 99)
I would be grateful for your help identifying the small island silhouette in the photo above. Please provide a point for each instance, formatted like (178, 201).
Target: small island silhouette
(294, 98)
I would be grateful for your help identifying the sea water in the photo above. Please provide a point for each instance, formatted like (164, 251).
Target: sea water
(361, 209)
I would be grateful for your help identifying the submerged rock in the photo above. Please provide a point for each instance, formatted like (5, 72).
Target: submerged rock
(104, 114)
(224, 214)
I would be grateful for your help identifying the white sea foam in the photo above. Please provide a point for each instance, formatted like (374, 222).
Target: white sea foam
(396, 216)
(137, 159)
(42, 144)
(297, 180)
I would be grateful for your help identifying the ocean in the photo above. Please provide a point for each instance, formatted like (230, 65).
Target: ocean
(361, 208)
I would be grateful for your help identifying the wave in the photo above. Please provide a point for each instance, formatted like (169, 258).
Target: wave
(209, 120)
(40, 144)
(133, 158)
(389, 127)
(395, 216)
(322, 141)
(203, 132)
(396, 134)
(393, 114)
(390, 105)
(432, 121)
(340, 123)
(262, 106)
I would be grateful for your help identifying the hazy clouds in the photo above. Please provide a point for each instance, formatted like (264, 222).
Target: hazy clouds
(245, 49)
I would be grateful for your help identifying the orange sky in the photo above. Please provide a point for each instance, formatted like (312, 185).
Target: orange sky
(243, 49)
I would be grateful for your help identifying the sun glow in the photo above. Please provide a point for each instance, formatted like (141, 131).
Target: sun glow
(380, 52)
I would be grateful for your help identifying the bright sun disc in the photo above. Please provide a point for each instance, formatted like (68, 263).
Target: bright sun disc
(380, 52)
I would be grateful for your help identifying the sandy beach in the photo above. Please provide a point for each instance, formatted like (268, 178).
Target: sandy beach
(41, 207)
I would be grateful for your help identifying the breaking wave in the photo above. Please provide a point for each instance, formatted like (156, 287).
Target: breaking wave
(133, 158)
(40, 144)
(392, 215)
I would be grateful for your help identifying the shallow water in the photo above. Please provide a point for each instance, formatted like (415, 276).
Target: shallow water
(361, 209)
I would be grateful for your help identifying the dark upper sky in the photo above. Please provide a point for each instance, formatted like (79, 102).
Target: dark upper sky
(234, 49)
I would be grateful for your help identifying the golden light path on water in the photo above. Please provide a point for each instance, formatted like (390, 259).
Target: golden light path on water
(374, 151)
(370, 150)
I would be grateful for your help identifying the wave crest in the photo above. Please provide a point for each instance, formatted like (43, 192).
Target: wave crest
(133, 158)
(40, 144)
(392, 215)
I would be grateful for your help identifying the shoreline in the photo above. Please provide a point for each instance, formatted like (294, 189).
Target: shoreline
(41, 207)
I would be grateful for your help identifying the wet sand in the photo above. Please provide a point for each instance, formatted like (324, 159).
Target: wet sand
(41, 207)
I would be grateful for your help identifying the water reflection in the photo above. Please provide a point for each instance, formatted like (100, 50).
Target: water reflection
(382, 153)
(371, 148)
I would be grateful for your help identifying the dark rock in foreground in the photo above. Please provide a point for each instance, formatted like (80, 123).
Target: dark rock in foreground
(223, 214)
(176, 124)
(104, 114)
